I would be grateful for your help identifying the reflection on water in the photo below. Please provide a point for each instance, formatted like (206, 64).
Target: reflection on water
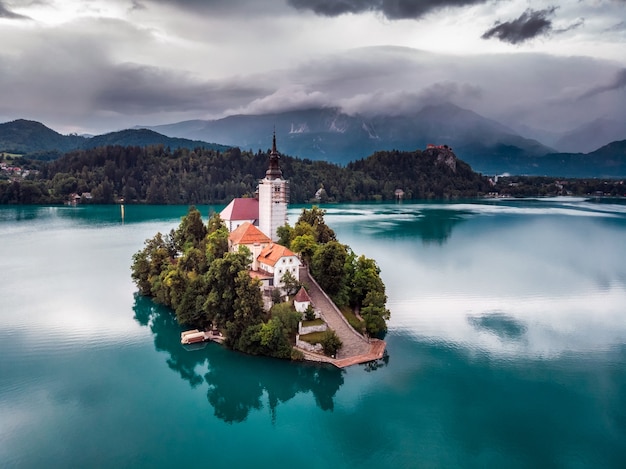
(507, 343)
(513, 277)
(429, 223)
(500, 324)
(235, 382)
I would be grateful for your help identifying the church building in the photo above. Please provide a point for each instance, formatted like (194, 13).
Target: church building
(269, 211)
(254, 223)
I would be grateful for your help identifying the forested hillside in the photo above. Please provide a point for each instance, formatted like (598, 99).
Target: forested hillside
(160, 175)
(38, 142)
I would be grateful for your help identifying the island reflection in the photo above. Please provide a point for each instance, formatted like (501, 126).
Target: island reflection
(236, 382)
(432, 225)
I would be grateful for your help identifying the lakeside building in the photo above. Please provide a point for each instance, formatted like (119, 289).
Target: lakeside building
(254, 223)
(269, 210)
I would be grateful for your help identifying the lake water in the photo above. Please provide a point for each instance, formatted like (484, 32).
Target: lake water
(506, 347)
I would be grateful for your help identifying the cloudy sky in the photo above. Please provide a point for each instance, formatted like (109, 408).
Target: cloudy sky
(102, 65)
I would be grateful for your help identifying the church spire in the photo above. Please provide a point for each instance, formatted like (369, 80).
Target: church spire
(274, 142)
(274, 171)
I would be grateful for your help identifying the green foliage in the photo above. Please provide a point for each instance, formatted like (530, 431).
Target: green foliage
(331, 343)
(285, 235)
(357, 324)
(149, 263)
(309, 314)
(348, 280)
(222, 280)
(315, 219)
(217, 243)
(290, 284)
(375, 313)
(365, 279)
(248, 310)
(277, 297)
(191, 231)
(327, 266)
(306, 246)
(189, 271)
(287, 316)
(160, 174)
(312, 322)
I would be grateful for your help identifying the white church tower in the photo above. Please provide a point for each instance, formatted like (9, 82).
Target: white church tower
(273, 197)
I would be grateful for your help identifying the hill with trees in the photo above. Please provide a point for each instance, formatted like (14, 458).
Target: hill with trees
(162, 175)
(36, 141)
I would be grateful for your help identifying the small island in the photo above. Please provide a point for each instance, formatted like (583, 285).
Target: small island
(262, 287)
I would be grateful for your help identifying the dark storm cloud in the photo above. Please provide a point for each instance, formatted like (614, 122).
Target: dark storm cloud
(6, 13)
(575, 25)
(530, 24)
(618, 82)
(135, 89)
(392, 9)
(223, 7)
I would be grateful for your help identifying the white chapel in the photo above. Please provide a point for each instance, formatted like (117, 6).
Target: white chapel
(270, 210)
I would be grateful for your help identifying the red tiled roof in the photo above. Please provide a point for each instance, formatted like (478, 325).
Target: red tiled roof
(247, 233)
(271, 254)
(260, 274)
(302, 296)
(241, 209)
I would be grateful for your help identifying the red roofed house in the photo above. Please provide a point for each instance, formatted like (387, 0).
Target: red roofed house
(270, 261)
(302, 300)
(239, 211)
(250, 236)
(278, 260)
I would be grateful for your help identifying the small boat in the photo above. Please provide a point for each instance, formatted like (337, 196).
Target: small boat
(192, 337)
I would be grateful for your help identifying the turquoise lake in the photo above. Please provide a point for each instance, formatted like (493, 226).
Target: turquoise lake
(506, 347)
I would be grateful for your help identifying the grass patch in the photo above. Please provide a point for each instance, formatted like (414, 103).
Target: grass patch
(314, 322)
(313, 338)
(355, 322)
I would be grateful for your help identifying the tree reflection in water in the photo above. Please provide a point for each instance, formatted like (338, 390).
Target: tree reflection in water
(236, 382)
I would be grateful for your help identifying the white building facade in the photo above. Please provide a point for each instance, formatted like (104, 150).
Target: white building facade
(273, 197)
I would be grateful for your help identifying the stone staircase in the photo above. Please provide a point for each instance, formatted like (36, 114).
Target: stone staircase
(356, 348)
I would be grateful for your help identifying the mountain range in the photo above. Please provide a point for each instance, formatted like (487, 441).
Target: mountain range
(37, 141)
(488, 146)
(332, 135)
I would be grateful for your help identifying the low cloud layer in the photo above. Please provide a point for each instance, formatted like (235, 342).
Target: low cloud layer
(391, 9)
(8, 14)
(402, 102)
(99, 66)
(617, 83)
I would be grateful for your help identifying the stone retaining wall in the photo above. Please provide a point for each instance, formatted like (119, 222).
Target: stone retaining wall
(302, 330)
(306, 346)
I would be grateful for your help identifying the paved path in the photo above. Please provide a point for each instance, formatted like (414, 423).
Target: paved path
(356, 348)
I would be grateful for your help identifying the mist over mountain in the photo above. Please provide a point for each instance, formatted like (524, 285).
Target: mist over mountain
(591, 136)
(332, 135)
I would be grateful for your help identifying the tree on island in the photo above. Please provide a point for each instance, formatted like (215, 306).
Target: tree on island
(191, 271)
(350, 281)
